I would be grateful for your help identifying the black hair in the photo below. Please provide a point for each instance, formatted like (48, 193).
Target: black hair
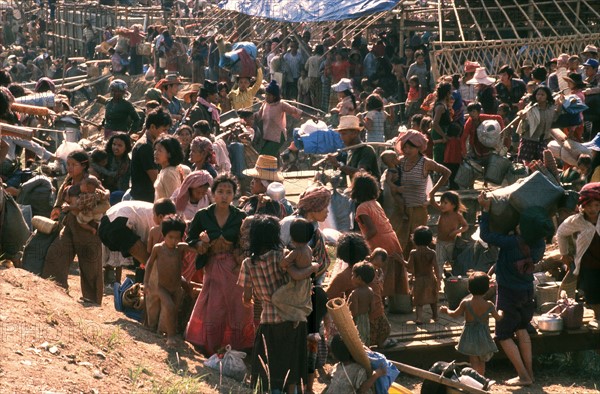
(504, 107)
(99, 155)
(364, 187)
(164, 206)
(374, 102)
(422, 236)
(81, 157)
(173, 148)
(202, 126)
(158, 117)
(16, 90)
(479, 283)
(6, 113)
(539, 73)
(548, 94)
(172, 223)
(319, 49)
(348, 92)
(474, 106)
(417, 118)
(118, 136)
(223, 85)
(264, 235)
(225, 178)
(507, 69)
(352, 248)
(184, 127)
(456, 81)
(442, 90)
(340, 350)
(364, 271)
(380, 252)
(418, 53)
(301, 230)
(44, 86)
(584, 160)
(5, 78)
(454, 198)
(425, 124)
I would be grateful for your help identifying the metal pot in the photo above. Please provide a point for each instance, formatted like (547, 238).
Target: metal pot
(550, 322)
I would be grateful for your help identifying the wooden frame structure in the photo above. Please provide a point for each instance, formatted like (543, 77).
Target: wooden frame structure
(492, 32)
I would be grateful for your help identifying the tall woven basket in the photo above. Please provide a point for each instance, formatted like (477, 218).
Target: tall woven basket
(339, 311)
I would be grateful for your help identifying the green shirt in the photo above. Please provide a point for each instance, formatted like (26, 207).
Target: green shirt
(120, 115)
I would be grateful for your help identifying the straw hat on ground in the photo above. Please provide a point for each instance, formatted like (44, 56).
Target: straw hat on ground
(266, 168)
(481, 78)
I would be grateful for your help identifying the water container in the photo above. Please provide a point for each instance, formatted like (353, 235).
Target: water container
(400, 303)
(456, 288)
(45, 99)
(465, 176)
(496, 169)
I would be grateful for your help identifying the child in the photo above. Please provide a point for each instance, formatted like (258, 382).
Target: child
(92, 203)
(276, 191)
(476, 340)
(99, 162)
(414, 96)
(243, 95)
(167, 255)
(348, 376)
(351, 249)
(375, 119)
(293, 299)
(224, 100)
(116, 62)
(304, 87)
(380, 326)
(450, 225)
(425, 128)
(426, 274)
(361, 298)
(393, 201)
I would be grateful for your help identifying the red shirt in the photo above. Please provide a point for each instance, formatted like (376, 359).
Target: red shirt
(470, 131)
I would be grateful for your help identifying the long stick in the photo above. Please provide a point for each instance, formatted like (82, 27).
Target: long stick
(435, 378)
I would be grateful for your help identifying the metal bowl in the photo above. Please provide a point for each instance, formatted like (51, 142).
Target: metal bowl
(550, 322)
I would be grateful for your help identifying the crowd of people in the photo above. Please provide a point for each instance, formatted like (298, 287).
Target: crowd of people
(190, 205)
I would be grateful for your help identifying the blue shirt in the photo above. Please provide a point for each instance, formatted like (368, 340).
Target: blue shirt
(506, 271)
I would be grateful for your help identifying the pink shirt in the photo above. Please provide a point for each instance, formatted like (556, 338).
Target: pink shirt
(273, 117)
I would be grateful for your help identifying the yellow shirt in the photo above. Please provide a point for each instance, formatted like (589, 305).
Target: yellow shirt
(241, 100)
(596, 175)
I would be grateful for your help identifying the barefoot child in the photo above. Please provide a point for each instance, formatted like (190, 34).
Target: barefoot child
(167, 256)
(476, 340)
(348, 376)
(292, 300)
(92, 203)
(426, 274)
(380, 326)
(450, 225)
(361, 298)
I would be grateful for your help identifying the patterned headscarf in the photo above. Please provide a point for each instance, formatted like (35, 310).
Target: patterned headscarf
(589, 193)
(314, 199)
(181, 196)
(415, 137)
(200, 144)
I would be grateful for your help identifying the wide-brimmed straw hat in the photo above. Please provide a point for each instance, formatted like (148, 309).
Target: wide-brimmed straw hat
(349, 122)
(343, 85)
(590, 49)
(481, 78)
(170, 79)
(266, 168)
(185, 94)
(576, 79)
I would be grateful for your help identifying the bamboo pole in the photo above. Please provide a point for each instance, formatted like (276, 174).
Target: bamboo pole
(528, 19)
(440, 21)
(578, 19)
(532, 2)
(591, 8)
(475, 22)
(490, 18)
(565, 16)
(462, 34)
(421, 373)
(508, 19)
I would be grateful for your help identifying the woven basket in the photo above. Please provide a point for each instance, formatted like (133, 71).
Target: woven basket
(339, 311)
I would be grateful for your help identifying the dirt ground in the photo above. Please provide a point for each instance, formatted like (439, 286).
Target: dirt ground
(51, 342)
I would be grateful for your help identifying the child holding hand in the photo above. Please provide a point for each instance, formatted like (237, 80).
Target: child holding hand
(451, 225)
(426, 274)
(476, 340)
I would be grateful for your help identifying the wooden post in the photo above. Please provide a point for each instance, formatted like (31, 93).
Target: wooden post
(401, 33)
(435, 378)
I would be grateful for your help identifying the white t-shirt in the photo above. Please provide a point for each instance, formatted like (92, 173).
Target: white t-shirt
(140, 218)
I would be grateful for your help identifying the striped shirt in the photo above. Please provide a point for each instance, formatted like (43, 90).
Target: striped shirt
(415, 183)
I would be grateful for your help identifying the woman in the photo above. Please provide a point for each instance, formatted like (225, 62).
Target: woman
(264, 173)
(313, 205)
(118, 174)
(378, 232)
(193, 194)
(486, 94)
(441, 121)
(273, 114)
(279, 344)
(219, 317)
(415, 169)
(120, 114)
(73, 240)
(536, 124)
(184, 135)
(168, 155)
(202, 155)
(584, 229)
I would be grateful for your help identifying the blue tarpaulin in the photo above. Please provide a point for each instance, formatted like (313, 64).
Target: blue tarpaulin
(308, 10)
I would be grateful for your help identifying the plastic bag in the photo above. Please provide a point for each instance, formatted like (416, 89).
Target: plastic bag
(230, 364)
(488, 133)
